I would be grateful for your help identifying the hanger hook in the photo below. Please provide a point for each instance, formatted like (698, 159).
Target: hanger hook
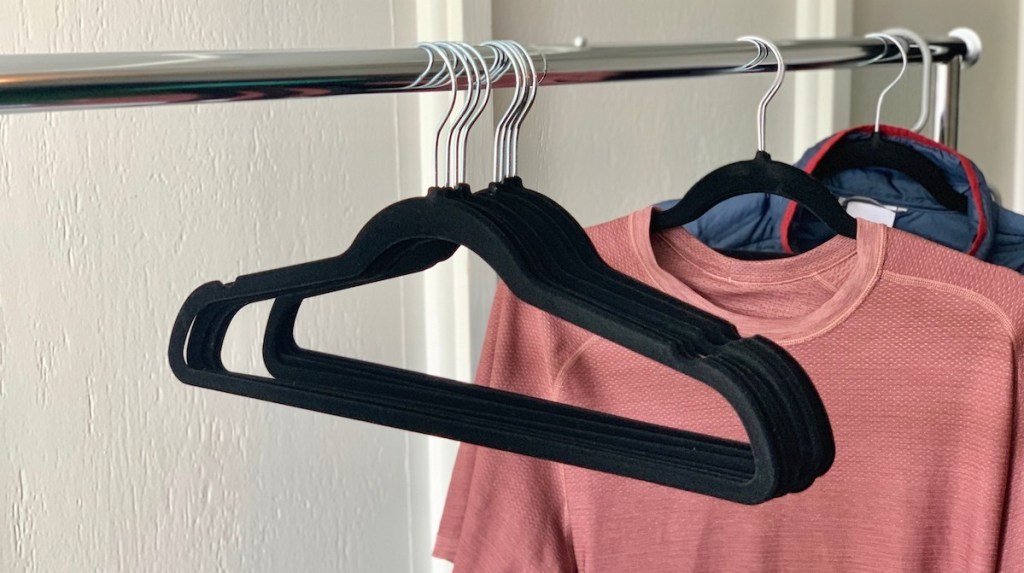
(456, 137)
(926, 73)
(501, 63)
(451, 107)
(482, 95)
(430, 65)
(780, 74)
(522, 93)
(762, 53)
(515, 110)
(887, 38)
(462, 66)
(500, 138)
(500, 67)
(526, 62)
(439, 79)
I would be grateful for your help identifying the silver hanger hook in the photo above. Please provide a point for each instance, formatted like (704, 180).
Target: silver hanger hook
(511, 117)
(481, 89)
(526, 62)
(456, 167)
(926, 73)
(780, 74)
(441, 78)
(451, 107)
(762, 53)
(515, 106)
(903, 69)
(430, 65)
(451, 154)
(500, 139)
(501, 65)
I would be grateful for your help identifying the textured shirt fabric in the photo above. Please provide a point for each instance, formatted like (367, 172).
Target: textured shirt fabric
(761, 222)
(914, 348)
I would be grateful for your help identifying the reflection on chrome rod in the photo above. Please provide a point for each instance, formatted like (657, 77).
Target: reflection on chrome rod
(73, 81)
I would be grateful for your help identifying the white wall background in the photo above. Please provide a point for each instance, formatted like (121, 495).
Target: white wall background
(109, 218)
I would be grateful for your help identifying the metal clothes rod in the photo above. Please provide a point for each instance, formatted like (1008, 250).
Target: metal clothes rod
(47, 82)
(945, 126)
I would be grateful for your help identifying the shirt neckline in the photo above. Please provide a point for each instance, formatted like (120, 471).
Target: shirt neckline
(867, 249)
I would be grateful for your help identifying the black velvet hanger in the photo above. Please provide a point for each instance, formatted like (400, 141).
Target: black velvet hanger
(878, 152)
(547, 261)
(759, 175)
(567, 260)
(415, 234)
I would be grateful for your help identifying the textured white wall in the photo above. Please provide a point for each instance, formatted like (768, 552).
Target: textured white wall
(109, 219)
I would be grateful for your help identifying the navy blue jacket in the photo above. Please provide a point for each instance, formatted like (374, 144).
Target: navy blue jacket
(762, 222)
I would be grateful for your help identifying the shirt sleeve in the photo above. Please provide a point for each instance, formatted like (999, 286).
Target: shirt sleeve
(1012, 557)
(506, 512)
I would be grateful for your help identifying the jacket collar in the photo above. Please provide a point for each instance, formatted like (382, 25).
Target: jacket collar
(962, 175)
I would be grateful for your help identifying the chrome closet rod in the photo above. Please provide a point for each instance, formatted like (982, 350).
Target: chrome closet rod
(946, 121)
(46, 82)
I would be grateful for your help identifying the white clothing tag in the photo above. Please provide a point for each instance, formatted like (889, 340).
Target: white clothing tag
(871, 212)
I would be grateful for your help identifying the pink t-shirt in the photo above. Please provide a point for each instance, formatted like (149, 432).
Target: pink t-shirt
(915, 349)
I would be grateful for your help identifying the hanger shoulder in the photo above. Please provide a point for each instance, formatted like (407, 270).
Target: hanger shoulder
(760, 175)
(878, 152)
